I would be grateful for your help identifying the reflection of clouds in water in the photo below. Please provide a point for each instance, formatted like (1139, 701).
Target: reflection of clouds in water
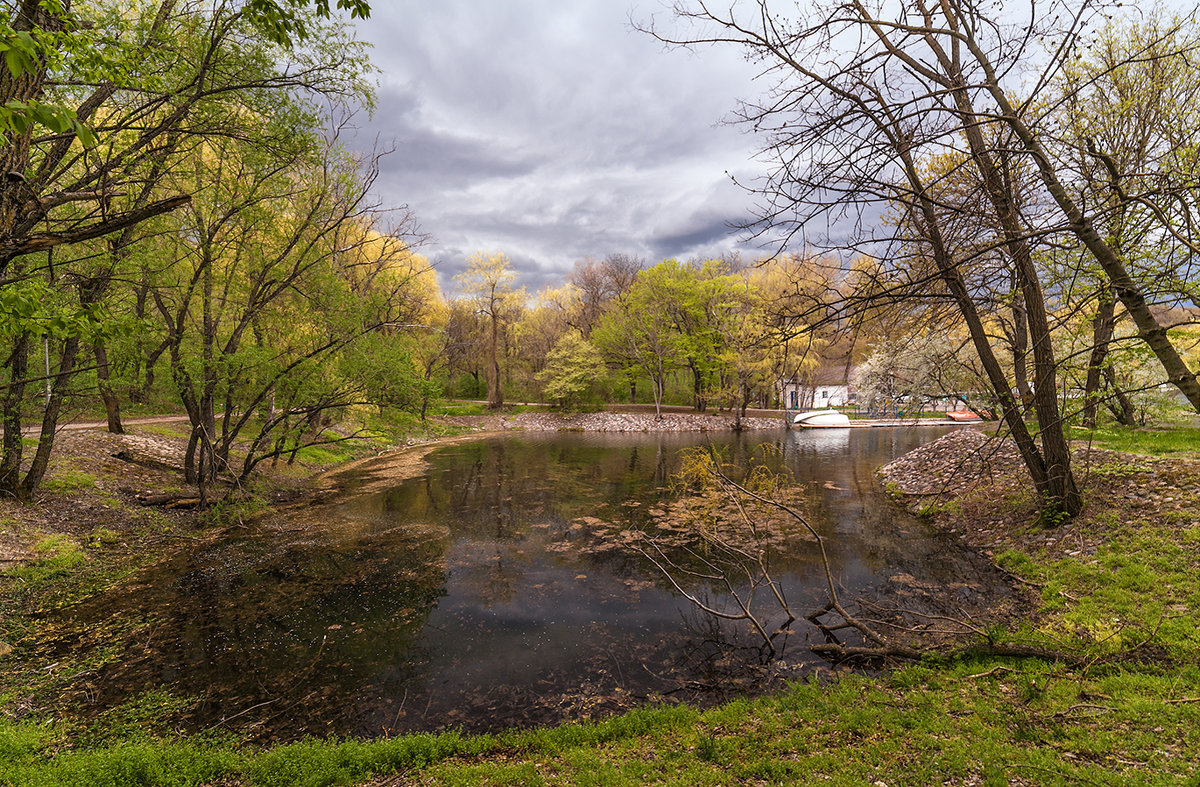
(823, 440)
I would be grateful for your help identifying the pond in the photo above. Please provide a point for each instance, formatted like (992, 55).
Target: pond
(469, 594)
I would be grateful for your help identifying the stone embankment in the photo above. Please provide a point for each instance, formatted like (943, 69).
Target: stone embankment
(614, 422)
(636, 422)
(953, 463)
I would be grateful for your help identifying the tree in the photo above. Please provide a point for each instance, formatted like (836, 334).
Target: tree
(111, 55)
(572, 367)
(697, 298)
(790, 290)
(133, 91)
(462, 351)
(599, 284)
(639, 335)
(533, 336)
(864, 100)
(489, 280)
(1131, 98)
(274, 242)
(918, 369)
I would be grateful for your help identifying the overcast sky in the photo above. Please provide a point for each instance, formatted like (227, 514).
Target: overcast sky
(551, 131)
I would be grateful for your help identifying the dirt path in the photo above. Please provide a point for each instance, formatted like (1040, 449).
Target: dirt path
(136, 421)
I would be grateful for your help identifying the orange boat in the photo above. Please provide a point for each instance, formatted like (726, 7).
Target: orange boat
(963, 415)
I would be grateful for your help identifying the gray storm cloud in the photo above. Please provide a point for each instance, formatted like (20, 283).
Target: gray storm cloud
(553, 131)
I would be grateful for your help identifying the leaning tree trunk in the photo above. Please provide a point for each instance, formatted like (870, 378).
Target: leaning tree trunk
(58, 392)
(926, 218)
(1061, 491)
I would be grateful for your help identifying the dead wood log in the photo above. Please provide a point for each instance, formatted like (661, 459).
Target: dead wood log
(168, 500)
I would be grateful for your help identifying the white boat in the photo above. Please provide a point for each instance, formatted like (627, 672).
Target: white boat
(821, 419)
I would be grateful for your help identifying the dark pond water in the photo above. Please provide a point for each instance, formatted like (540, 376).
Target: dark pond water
(471, 595)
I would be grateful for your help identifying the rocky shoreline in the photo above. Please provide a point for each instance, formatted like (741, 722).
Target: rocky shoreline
(609, 421)
(974, 486)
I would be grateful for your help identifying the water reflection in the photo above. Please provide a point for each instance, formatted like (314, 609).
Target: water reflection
(475, 595)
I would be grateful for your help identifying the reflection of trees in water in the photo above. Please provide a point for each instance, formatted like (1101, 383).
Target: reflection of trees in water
(270, 637)
(719, 661)
(328, 629)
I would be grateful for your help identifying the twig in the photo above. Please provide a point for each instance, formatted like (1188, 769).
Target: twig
(991, 673)
(244, 712)
(1085, 706)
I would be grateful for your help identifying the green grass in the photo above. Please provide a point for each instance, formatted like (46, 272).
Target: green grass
(55, 557)
(986, 722)
(68, 480)
(1156, 441)
(61, 573)
(456, 408)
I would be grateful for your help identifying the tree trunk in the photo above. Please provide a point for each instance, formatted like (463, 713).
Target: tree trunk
(495, 397)
(189, 456)
(21, 87)
(1020, 347)
(658, 379)
(927, 219)
(1123, 410)
(58, 392)
(112, 405)
(1102, 331)
(10, 463)
(1061, 493)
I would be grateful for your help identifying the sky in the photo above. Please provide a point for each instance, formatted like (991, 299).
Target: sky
(550, 131)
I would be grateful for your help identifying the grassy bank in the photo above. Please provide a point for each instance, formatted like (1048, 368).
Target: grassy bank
(1123, 709)
(973, 722)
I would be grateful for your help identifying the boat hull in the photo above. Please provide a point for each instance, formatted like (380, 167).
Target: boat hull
(821, 419)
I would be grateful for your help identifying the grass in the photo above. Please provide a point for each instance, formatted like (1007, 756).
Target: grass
(457, 408)
(1151, 441)
(68, 480)
(986, 722)
(980, 720)
(61, 573)
(56, 556)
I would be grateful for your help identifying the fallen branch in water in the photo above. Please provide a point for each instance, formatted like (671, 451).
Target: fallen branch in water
(741, 565)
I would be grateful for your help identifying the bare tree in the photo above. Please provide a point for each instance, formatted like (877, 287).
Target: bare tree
(864, 99)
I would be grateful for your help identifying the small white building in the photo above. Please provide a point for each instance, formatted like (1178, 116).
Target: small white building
(828, 386)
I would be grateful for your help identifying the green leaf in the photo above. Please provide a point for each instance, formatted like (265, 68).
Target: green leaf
(86, 136)
(12, 59)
